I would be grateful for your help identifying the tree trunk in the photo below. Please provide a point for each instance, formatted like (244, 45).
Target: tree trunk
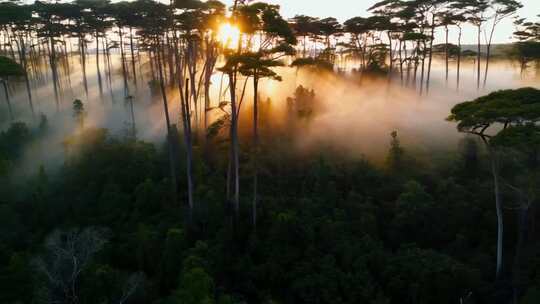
(82, 52)
(401, 60)
(8, 101)
(488, 51)
(459, 59)
(123, 59)
(109, 76)
(98, 70)
(189, 148)
(24, 62)
(186, 126)
(52, 60)
(446, 52)
(132, 56)
(499, 209)
(430, 53)
(235, 178)
(168, 123)
(478, 56)
(255, 147)
(391, 54)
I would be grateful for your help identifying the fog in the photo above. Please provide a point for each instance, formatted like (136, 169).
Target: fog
(352, 117)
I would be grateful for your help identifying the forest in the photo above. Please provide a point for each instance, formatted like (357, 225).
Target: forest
(200, 152)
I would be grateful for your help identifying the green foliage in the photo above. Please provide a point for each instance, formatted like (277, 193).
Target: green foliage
(504, 107)
(313, 62)
(330, 231)
(396, 155)
(8, 67)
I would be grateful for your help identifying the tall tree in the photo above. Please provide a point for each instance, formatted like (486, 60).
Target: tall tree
(305, 27)
(9, 68)
(500, 10)
(475, 11)
(492, 113)
(155, 22)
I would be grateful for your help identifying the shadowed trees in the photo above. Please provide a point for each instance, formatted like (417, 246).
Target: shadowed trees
(276, 40)
(18, 18)
(527, 49)
(9, 68)
(492, 113)
(154, 22)
(522, 143)
(304, 27)
(51, 28)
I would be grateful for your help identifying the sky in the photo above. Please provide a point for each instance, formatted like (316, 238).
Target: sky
(344, 9)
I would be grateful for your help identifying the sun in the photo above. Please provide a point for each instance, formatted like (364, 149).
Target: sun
(228, 35)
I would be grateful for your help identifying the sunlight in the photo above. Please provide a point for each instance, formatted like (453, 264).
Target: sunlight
(228, 35)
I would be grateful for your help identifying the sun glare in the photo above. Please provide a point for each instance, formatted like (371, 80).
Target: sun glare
(228, 35)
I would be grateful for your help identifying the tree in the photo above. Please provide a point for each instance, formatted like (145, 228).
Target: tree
(457, 18)
(395, 157)
(95, 15)
(67, 255)
(51, 17)
(501, 9)
(304, 26)
(9, 68)
(259, 65)
(475, 11)
(327, 28)
(19, 18)
(156, 22)
(496, 111)
(527, 49)
(523, 141)
(79, 113)
(256, 65)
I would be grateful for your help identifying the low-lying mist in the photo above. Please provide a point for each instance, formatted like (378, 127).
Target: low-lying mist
(352, 115)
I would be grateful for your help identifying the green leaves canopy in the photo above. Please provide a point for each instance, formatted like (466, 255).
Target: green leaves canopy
(506, 107)
(522, 137)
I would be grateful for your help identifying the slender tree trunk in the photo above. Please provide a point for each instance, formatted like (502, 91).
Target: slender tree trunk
(255, 148)
(132, 49)
(423, 68)
(109, 75)
(24, 62)
(82, 51)
(189, 149)
(98, 70)
(391, 55)
(8, 100)
(478, 56)
(401, 60)
(459, 59)
(234, 144)
(52, 59)
(123, 59)
(430, 53)
(170, 58)
(488, 51)
(499, 209)
(169, 130)
(446, 55)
